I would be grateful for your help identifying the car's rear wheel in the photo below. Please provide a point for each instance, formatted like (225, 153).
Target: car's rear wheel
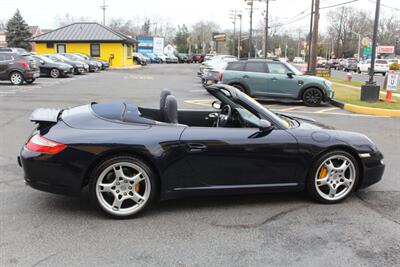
(123, 186)
(312, 97)
(16, 78)
(333, 177)
(54, 73)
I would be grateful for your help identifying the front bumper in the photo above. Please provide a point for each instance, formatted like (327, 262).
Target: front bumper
(372, 169)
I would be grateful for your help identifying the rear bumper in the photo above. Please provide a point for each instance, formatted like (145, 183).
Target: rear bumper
(50, 173)
(31, 74)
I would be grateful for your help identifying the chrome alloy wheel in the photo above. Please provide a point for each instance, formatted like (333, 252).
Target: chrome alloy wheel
(123, 188)
(16, 78)
(335, 177)
(54, 73)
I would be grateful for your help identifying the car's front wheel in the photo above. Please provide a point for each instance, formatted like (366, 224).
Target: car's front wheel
(16, 78)
(123, 186)
(54, 73)
(312, 97)
(333, 177)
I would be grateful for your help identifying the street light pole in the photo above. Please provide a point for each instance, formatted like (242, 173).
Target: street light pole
(374, 37)
(233, 16)
(359, 45)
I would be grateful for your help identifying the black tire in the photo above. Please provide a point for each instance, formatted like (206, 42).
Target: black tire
(30, 81)
(311, 184)
(312, 97)
(16, 78)
(240, 87)
(55, 73)
(384, 73)
(358, 71)
(98, 170)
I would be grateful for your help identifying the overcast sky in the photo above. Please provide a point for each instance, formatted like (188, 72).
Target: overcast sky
(43, 12)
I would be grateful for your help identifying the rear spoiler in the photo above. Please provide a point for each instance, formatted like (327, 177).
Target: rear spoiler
(45, 115)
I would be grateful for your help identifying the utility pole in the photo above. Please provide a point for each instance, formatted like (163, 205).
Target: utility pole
(251, 27)
(314, 46)
(266, 29)
(298, 44)
(233, 16)
(310, 37)
(104, 7)
(240, 34)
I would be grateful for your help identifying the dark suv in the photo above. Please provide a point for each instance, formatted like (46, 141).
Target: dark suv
(18, 68)
(276, 79)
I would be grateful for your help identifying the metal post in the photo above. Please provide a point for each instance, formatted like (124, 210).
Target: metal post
(310, 37)
(374, 36)
(251, 28)
(240, 34)
(359, 47)
(266, 29)
(314, 46)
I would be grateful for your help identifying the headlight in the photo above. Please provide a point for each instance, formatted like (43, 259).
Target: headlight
(79, 65)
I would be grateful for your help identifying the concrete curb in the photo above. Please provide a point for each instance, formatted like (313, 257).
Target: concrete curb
(132, 67)
(366, 110)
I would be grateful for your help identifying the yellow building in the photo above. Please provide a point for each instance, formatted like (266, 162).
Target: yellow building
(90, 38)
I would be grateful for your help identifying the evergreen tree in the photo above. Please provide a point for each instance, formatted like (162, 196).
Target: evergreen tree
(146, 27)
(18, 32)
(181, 38)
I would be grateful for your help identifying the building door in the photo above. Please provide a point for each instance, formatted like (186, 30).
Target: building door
(61, 48)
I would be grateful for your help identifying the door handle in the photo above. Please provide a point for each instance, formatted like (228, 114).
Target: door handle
(196, 147)
(245, 76)
(274, 79)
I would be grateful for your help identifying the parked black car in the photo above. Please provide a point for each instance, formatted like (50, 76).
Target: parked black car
(93, 65)
(18, 68)
(130, 156)
(138, 58)
(104, 65)
(79, 66)
(183, 58)
(51, 68)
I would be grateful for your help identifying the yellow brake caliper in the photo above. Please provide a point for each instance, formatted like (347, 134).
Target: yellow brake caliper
(322, 172)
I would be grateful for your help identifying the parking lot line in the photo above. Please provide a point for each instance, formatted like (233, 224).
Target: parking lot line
(326, 109)
(291, 108)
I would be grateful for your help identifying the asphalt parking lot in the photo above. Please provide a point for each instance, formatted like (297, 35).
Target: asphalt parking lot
(41, 229)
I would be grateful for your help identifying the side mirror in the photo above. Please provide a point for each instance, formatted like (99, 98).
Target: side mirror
(42, 62)
(290, 74)
(216, 105)
(265, 125)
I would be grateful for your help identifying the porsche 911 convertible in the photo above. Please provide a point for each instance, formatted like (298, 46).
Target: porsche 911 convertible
(130, 156)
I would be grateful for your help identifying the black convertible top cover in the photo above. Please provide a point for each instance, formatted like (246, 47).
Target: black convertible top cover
(120, 111)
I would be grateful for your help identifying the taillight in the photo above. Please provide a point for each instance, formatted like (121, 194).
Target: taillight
(24, 64)
(219, 76)
(40, 144)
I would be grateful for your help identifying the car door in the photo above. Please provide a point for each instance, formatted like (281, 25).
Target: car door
(6, 61)
(256, 77)
(229, 157)
(282, 84)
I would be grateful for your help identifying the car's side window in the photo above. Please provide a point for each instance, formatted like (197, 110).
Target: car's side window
(256, 67)
(238, 66)
(277, 68)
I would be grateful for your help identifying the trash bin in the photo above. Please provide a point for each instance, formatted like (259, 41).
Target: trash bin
(370, 92)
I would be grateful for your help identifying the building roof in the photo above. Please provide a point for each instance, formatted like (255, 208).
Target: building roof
(83, 32)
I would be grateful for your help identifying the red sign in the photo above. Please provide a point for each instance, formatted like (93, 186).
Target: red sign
(385, 49)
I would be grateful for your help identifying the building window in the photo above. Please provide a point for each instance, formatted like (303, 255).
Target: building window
(95, 50)
(129, 51)
(61, 48)
(50, 45)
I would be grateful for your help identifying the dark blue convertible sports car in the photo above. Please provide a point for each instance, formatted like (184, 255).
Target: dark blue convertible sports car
(129, 156)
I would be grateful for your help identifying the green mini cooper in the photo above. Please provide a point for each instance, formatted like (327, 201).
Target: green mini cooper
(275, 79)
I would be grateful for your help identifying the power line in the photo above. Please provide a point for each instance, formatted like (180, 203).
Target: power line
(384, 5)
(341, 4)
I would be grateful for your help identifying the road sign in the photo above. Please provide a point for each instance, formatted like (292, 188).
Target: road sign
(326, 73)
(392, 80)
(367, 52)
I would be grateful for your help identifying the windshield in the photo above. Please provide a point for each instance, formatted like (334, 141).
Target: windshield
(45, 59)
